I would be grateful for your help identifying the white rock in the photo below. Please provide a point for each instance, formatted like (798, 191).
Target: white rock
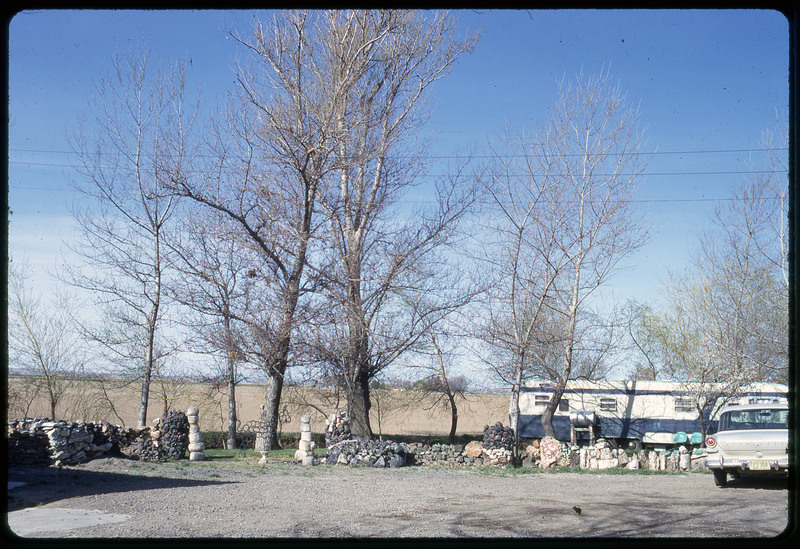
(633, 464)
(196, 437)
(306, 436)
(192, 411)
(306, 446)
(196, 456)
(299, 455)
(197, 446)
(607, 463)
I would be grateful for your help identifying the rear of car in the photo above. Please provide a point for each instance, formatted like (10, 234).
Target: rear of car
(751, 439)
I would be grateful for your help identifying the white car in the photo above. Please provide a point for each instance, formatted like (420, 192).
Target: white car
(750, 439)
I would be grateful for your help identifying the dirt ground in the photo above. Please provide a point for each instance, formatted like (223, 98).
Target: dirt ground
(281, 500)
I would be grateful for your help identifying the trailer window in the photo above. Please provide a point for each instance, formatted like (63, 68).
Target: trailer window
(541, 400)
(608, 404)
(563, 405)
(683, 404)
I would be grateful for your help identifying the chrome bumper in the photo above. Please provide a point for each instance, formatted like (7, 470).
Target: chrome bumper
(744, 464)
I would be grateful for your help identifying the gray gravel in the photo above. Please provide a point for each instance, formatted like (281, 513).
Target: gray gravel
(288, 500)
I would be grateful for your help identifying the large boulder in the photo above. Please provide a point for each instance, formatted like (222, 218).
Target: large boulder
(550, 452)
(474, 448)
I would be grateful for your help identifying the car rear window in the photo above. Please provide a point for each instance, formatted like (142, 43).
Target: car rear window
(743, 420)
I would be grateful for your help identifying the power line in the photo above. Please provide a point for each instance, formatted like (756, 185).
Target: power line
(445, 175)
(455, 157)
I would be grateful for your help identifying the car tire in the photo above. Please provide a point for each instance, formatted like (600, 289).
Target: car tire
(720, 478)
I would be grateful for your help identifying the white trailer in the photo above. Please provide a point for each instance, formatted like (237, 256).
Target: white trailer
(636, 412)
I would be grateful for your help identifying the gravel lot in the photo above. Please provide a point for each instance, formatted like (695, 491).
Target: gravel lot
(209, 499)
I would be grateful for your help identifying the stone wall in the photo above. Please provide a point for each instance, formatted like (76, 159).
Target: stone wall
(45, 441)
(60, 442)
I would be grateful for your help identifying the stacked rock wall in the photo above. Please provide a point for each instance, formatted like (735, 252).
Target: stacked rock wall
(44, 441)
(448, 455)
(59, 442)
(368, 453)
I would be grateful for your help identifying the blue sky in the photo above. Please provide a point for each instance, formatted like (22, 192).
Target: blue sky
(707, 83)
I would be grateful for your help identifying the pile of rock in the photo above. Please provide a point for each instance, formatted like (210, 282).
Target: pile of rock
(368, 453)
(498, 444)
(337, 428)
(170, 433)
(143, 448)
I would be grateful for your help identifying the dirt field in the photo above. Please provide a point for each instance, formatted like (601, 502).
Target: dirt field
(392, 413)
(183, 500)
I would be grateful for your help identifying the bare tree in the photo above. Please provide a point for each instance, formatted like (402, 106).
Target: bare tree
(594, 140)
(388, 60)
(42, 343)
(446, 385)
(219, 283)
(576, 177)
(522, 258)
(269, 149)
(684, 347)
(744, 264)
(137, 141)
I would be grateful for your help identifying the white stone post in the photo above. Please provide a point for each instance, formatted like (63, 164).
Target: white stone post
(196, 444)
(305, 452)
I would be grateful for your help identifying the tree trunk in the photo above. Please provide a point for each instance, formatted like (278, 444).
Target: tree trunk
(231, 404)
(451, 438)
(358, 403)
(152, 319)
(267, 437)
(513, 413)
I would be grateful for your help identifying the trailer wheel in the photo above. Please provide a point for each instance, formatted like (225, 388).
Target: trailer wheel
(720, 478)
(635, 445)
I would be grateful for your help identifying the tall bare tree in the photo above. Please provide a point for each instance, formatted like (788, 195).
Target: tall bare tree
(219, 283)
(388, 60)
(576, 176)
(520, 248)
(43, 342)
(137, 140)
(269, 150)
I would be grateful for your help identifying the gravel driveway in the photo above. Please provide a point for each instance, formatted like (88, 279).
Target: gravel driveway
(288, 500)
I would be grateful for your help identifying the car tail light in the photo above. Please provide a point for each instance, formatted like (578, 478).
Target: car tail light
(711, 442)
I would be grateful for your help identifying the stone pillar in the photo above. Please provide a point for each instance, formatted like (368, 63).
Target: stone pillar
(305, 452)
(685, 459)
(196, 444)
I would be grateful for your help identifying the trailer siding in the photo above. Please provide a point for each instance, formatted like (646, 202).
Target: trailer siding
(624, 409)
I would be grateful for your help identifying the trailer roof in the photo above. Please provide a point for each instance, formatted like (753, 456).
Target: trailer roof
(639, 385)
